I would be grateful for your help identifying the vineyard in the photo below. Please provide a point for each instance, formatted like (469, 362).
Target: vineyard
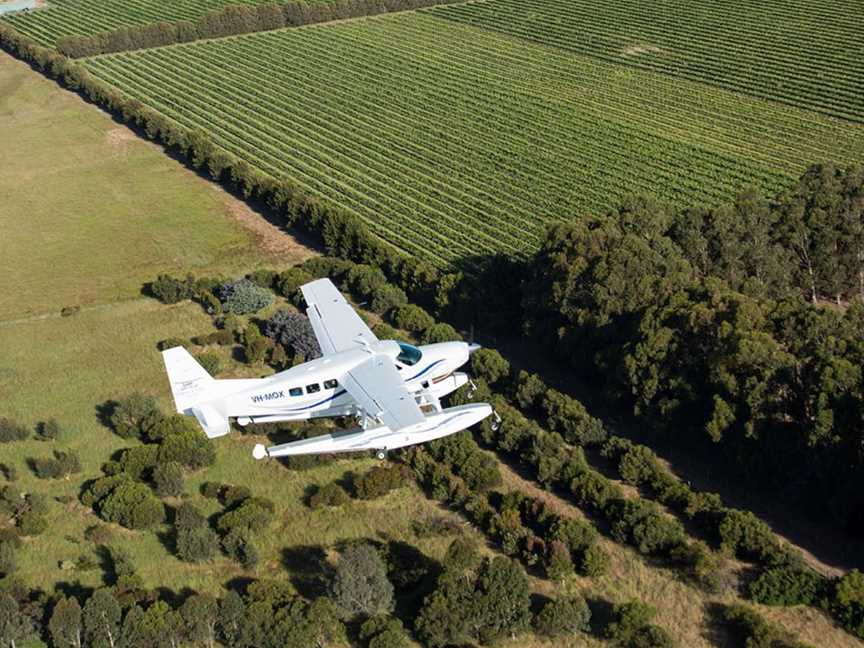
(86, 17)
(807, 54)
(456, 142)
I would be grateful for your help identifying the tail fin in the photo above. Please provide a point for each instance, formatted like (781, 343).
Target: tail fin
(190, 382)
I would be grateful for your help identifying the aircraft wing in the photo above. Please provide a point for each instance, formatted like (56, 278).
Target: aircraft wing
(337, 326)
(379, 389)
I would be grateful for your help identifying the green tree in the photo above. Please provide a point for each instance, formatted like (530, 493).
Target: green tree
(135, 415)
(564, 615)
(15, 625)
(200, 614)
(360, 585)
(168, 479)
(501, 605)
(101, 617)
(66, 625)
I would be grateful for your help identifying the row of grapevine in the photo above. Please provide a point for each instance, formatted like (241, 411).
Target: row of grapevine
(86, 17)
(457, 142)
(801, 53)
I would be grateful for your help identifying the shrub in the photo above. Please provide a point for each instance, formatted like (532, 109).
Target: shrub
(744, 535)
(750, 629)
(594, 490)
(168, 479)
(595, 562)
(364, 280)
(384, 632)
(231, 496)
(638, 465)
(289, 281)
(210, 302)
(12, 431)
(331, 494)
(211, 490)
(132, 504)
(559, 563)
(439, 333)
(32, 523)
(188, 447)
(412, 318)
(577, 535)
(787, 585)
(332, 267)
(565, 615)
(169, 290)
(253, 515)
(263, 278)
(170, 343)
(135, 416)
(138, 461)
(293, 331)
(529, 391)
(489, 365)
(380, 480)
(569, 417)
(243, 297)
(386, 298)
(63, 464)
(628, 620)
(360, 585)
(196, 544)
(48, 430)
(848, 602)
(240, 548)
(643, 525)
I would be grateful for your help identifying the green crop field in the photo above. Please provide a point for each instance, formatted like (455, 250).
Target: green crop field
(807, 54)
(452, 141)
(85, 17)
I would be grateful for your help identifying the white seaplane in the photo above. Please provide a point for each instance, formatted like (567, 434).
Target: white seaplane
(392, 388)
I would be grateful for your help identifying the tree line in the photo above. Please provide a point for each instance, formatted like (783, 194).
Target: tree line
(703, 322)
(230, 20)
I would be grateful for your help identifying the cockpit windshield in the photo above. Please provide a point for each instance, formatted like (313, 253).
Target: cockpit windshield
(410, 355)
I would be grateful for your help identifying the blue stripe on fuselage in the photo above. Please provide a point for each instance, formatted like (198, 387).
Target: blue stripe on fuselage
(424, 371)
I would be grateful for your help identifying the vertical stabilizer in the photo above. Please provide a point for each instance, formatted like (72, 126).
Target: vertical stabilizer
(190, 382)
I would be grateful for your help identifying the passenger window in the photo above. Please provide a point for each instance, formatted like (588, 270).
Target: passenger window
(311, 389)
(296, 391)
(331, 384)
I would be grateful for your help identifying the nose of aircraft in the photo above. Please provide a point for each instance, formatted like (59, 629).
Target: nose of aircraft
(474, 347)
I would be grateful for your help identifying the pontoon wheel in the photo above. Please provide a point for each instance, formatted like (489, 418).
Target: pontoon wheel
(381, 454)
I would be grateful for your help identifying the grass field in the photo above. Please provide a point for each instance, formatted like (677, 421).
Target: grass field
(86, 17)
(803, 53)
(90, 211)
(453, 141)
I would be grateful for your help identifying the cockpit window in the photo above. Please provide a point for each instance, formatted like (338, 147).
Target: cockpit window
(410, 355)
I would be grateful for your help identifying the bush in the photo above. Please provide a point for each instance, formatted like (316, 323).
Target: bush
(439, 333)
(168, 479)
(412, 318)
(848, 602)
(293, 331)
(170, 343)
(593, 490)
(364, 281)
(48, 430)
(576, 535)
(565, 615)
(32, 523)
(139, 460)
(187, 447)
(744, 535)
(135, 416)
(169, 290)
(380, 480)
(12, 431)
(331, 494)
(643, 525)
(787, 585)
(569, 417)
(595, 562)
(132, 504)
(263, 278)
(751, 630)
(628, 620)
(196, 544)
(559, 563)
(231, 496)
(211, 490)
(383, 632)
(240, 548)
(489, 365)
(360, 585)
(289, 281)
(253, 515)
(63, 464)
(210, 302)
(243, 297)
(386, 298)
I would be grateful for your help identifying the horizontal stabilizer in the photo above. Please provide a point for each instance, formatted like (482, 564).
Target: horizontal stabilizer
(213, 423)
